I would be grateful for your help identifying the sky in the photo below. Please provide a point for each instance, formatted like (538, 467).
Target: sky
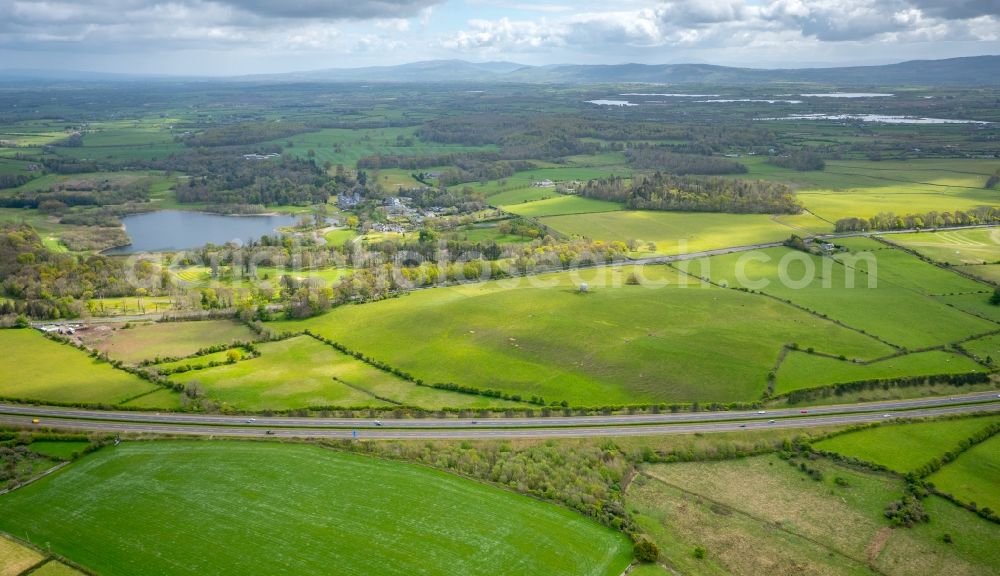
(234, 37)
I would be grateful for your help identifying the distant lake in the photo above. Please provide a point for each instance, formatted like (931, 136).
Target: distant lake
(167, 230)
(849, 95)
(877, 118)
(611, 102)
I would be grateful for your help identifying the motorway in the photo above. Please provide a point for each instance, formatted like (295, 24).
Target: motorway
(556, 426)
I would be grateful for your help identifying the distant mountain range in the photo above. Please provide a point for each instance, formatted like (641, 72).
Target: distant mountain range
(967, 71)
(970, 71)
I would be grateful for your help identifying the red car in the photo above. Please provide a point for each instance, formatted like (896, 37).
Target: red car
(803, 411)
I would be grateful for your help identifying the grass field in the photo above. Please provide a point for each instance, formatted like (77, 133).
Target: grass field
(256, 508)
(899, 308)
(801, 370)
(58, 449)
(907, 446)
(562, 205)
(974, 476)
(48, 371)
(673, 232)
(985, 347)
(974, 246)
(761, 516)
(862, 188)
(302, 372)
(616, 344)
(161, 399)
(986, 272)
(169, 339)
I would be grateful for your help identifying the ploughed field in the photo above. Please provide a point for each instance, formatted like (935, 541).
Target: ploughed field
(266, 508)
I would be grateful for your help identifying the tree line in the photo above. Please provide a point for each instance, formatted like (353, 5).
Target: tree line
(933, 219)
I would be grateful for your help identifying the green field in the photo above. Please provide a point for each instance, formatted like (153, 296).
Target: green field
(168, 339)
(161, 399)
(801, 370)
(986, 272)
(47, 371)
(974, 246)
(985, 347)
(761, 516)
(560, 205)
(58, 449)
(661, 341)
(899, 307)
(673, 232)
(302, 372)
(974, 476)
(256, 508)
(862, 189)
(907, 446)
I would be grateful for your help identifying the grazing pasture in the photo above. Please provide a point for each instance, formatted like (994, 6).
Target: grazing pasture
(302, 372)
(241, 507)
(168, 339)
(669, 339)
(48, 371)
(906, 446)
(894, 304)
(974, 476)
(956, 247)
(802, 370)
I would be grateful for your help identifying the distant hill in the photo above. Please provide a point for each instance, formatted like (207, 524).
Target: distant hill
(974, 70)
(967, 71)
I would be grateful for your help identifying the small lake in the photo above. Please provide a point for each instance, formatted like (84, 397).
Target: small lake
(611, 102)
(848, 95)
(877, 118)
(167, 230)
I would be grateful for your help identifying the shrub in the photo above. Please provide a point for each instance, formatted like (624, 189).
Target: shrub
(646, 550)
(699, 552)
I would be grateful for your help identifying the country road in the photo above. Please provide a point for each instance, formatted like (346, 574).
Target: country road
(579, 426)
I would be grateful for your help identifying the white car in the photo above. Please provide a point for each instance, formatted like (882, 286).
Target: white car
(887, 415)
(762, 411)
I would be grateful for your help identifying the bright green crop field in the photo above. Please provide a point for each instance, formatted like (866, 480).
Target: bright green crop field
(896, 306)
(48, 371)
(198, 508)
(563, 205)
(672, 232)
(665, 340)
(302, 372)
(907, 446)
(974, 476)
